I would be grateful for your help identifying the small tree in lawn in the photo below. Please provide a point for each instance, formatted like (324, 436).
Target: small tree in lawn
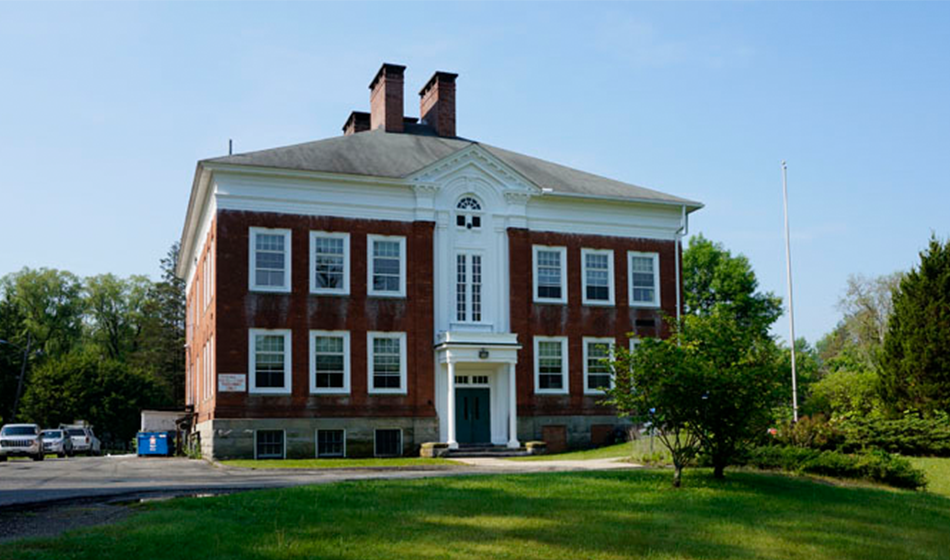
(709, 387)
(655, 383)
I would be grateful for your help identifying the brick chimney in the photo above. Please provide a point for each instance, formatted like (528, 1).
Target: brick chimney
(437, 103)
(386, 98)
(358, 121)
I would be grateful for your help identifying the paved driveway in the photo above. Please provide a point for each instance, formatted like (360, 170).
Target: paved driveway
(25, 483)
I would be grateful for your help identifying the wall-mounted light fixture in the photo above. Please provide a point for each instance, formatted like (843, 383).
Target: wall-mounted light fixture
(483, 354)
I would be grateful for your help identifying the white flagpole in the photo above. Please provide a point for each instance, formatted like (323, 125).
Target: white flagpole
(791, 306)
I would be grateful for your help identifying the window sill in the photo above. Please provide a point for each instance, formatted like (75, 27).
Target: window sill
(259, 290)
(384, 392)
(551, 301)
(269, 392)
(384, 295)
(329, 392)
(544, 392)
(596, 303)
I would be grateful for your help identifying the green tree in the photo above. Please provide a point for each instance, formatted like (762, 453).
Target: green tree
(657, 385)
(162, 337)
(712, 385)
(715, 280)
(915, 373)
(50, 304)
(115, 312)
(82, 385)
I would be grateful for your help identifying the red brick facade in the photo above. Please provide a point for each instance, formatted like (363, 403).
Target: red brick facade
(234, 309)
(240, 309)
(575, 320)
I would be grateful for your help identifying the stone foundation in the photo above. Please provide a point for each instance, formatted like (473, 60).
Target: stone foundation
(224, 438)
(580, 431)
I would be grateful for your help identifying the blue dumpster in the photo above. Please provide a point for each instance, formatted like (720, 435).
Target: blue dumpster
(156, 443)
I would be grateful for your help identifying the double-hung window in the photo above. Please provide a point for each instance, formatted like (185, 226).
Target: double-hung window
(329, 263)
(387, 362)
(386, 268)
(597, 375)
(644, 279)
(269, 260)
(550, 364)
(269, 359)
(329, 362)
(550, 274)
(597, 276)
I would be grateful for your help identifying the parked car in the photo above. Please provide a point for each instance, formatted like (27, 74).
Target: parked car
(21, 440)
(83, 439)
(58, 442)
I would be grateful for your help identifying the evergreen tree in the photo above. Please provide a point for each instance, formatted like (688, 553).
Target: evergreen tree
(915, 373)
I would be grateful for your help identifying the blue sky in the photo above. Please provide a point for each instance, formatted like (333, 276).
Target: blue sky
(105, 108)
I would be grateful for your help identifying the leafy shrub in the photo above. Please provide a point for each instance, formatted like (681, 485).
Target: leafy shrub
(877, 466)
(814, 432)
(909, 435)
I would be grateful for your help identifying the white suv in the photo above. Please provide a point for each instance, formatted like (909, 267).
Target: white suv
(21, 440)
(84, 440)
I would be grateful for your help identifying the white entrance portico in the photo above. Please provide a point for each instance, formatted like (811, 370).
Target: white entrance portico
(472, 363)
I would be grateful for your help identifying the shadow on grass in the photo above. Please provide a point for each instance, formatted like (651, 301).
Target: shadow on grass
(578, 515)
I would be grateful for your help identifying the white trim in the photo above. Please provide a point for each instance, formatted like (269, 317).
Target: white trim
(403, 357)
(370, 239)
(565, 367)
(610, 342)
(634, 343)
(251, 365)
(610, 277)
(252, 260)
(401, 441)
(345, 390)
(656, 279)
(283, 444)
(534, 269)
(345, 289)
(316, 442)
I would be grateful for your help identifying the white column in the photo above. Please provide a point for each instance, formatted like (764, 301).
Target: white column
(512, 408)
(450, 408)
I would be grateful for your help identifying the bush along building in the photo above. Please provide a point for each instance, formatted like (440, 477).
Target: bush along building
(399, 284)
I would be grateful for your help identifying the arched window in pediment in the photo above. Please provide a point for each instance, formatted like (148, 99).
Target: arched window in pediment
(468, 213)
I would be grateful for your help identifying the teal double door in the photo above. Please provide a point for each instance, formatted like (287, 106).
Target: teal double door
(472, 416)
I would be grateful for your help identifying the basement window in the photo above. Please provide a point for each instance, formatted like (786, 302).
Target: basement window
(388, 443)
(269, 444)
(331, 443)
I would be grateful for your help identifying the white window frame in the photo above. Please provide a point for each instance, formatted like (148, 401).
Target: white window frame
(345, 289)
(609, 302)
(345, 390)
(316, 443)
(634, 344)
(252, 366)
(283, 445)
(252, 260)
(565, 366)
(656, 279)
(610, 342)
(534, 268)
(370, 265)
(403, 358)
(402, 441)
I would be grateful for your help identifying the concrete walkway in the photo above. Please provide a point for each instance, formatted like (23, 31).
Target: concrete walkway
(29, 484)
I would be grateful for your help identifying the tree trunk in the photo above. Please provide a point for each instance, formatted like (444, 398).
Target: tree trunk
(677, 475)
(719, 471)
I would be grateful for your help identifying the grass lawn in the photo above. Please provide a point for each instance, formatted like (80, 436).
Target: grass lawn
(633, 450)
(591, 515)
(938, 473)
(405, 462)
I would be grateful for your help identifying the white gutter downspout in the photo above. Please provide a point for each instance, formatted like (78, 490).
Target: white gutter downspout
(684, 226)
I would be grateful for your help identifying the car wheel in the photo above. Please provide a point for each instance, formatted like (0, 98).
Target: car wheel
(3, 458)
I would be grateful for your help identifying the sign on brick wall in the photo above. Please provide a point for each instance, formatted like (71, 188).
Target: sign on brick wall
(232, 383)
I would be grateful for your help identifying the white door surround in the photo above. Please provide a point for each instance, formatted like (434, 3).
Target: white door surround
(470, 354)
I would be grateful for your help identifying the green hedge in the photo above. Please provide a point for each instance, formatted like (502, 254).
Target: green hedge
(908, 435)
(876, 466)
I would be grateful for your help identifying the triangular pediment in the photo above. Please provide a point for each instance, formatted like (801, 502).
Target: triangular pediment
(475, 159)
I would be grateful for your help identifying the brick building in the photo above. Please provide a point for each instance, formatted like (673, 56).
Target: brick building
(399, 284)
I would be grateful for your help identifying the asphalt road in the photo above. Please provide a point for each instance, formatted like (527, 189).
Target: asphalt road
(29, 484)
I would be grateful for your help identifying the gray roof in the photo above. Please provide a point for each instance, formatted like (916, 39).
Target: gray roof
(396, 155)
